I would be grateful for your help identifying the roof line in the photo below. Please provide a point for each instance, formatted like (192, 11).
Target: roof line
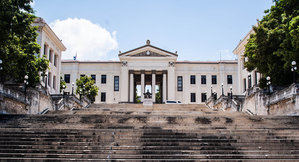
(147, 45)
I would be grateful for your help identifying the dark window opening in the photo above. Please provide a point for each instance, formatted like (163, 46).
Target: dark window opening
(203, 79)
(180, 83)
(103, 97)
(67, 78)
(192, 79)
(203, 97)
(214, 79)
(193, 97)
(229, 79)
(93, 77)
(103, 79)
(116, 83)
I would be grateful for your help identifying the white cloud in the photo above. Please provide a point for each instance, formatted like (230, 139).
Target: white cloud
(90, 41)
(226, 55)
(32, 4)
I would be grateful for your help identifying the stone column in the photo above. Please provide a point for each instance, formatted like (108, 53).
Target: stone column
(171, 84)
(164, 86)
(131, 86)
(154, 85)
(124, 84)
(142, 85)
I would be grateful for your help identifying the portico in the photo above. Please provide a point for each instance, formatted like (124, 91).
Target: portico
(151, 78)
(148, 66)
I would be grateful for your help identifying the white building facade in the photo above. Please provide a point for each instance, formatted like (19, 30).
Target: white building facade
(246, 79)
(51, 47)
(157, 71)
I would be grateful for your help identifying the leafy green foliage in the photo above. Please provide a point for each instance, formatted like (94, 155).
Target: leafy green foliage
(18, 48)
(62, 84)
(275, 43)
(86, 87)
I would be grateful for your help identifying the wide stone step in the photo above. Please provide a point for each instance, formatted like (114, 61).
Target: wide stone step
(147, 156)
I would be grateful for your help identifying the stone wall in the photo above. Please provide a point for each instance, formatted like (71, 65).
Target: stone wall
(282, 102)
(14, 101)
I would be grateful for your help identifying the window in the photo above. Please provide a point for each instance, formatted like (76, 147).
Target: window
(229, 79)
(54, 82)
(180, 83)
(116, 83)
(45, 50)
(103, 79)
(82, 75)
(255, 77)
(249, 81)
(244, 82)
(214, 79)
(203, 97)
(55, 60)
(192, 79)
(49, 79)
(93, 77)
(193, 97)
(103, 97)
(67, 78)
(50, 55)
(203, 79)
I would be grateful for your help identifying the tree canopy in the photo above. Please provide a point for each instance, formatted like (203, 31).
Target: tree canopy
(19, 50)
(275, 43)
(86, 87)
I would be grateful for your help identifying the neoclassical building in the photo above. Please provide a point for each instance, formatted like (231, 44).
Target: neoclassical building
(51, 47)
(152, 69)
(246, 79)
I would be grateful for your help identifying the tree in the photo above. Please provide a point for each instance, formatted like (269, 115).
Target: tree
(62, 84)
(86, 87)
(19, 50)
(275, 43)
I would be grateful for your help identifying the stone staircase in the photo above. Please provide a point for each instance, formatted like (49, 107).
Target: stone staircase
(128, 132)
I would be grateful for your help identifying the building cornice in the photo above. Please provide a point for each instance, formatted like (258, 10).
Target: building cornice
(45, 27)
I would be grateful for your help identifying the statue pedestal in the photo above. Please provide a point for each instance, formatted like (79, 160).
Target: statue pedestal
(147, 102)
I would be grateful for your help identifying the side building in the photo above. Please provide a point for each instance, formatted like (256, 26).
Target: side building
(152, 69)
(246, 79)
(51, 47)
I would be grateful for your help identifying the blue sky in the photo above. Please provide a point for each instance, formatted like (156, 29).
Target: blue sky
(197, 29)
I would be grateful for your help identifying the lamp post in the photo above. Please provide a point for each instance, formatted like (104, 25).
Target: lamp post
(1, 70)
(268, 83)
(211, 90)
(73, 84)
(294, 68)
(25, 86)
(231, 92)
(80, 93)
(249, 80)
(222, 89)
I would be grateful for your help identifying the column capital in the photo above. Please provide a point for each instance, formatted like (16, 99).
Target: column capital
(131, 71)
(153, 71)
(142, 71)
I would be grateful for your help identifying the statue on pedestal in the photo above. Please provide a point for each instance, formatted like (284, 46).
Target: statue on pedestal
(147, 95)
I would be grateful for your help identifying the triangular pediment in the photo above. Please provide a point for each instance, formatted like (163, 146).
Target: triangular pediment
(148, 51)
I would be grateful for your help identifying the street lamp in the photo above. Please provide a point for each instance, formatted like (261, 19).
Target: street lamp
(268, 83)
(25, 86)
(249, 80)
(80, 93)
(1, 70)
(73, 84)
(222, 89)
(211, 90)
(231, 92)
(294, 68)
